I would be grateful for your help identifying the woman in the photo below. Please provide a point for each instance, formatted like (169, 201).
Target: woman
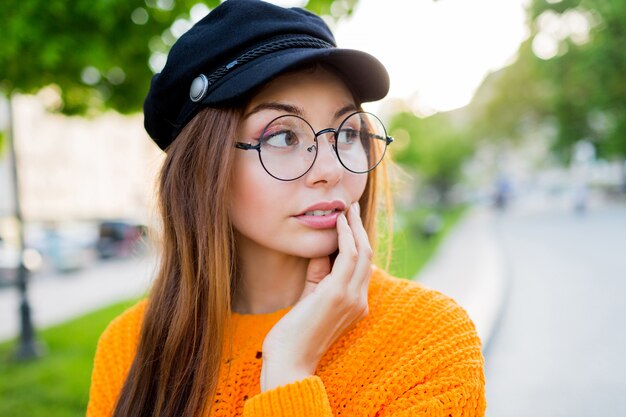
(267, 302)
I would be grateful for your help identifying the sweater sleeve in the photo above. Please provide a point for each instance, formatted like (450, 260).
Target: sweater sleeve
(100, 396)
(454, 383)
(459, 398)
(304, 398)
(114, 355)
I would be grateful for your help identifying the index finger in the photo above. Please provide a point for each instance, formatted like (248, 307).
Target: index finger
(346, 259)
(362, 270)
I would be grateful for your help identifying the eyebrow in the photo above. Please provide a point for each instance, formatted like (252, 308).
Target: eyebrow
(291, 109)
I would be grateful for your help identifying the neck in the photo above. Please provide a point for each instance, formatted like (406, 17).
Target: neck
(268, 280)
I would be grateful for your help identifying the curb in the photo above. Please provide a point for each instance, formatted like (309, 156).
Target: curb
(469, 266)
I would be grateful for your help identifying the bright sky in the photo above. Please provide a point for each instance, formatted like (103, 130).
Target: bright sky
(437, 52)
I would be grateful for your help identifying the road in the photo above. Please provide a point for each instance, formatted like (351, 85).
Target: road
(560, 346)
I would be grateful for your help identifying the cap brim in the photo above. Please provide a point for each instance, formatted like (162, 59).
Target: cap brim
(364, 75)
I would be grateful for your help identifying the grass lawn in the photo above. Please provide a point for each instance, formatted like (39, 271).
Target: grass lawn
(411, 247)
(58, 383)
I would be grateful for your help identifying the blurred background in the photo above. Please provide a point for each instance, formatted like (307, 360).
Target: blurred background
(509, 183)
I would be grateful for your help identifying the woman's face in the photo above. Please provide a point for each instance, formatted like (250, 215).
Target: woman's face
(294, 217)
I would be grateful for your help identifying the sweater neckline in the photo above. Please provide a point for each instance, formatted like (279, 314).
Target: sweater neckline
(262, 316)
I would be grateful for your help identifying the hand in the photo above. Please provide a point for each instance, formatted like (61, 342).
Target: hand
(332, 301)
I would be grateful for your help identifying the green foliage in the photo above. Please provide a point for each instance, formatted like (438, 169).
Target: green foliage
(96, 51)
(58, 383)
(53, 42)
(589, 100)
(432, 147)
(336, 8)
(510, 100)
(581, 91)
(411, 246)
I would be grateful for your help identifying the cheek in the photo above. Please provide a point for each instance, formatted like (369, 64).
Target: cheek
(244, 192)
(253, 194)
(355, 183)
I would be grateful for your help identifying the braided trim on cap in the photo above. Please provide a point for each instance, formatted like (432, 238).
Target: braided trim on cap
(277, 45)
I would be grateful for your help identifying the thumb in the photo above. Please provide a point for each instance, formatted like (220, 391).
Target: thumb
(317, 270)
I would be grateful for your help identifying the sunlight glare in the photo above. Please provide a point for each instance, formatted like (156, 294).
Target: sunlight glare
(440, 51)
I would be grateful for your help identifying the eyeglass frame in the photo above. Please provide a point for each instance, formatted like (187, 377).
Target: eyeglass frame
(248, 146)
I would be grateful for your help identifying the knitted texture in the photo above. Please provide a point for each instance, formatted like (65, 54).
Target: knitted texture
(416, 354)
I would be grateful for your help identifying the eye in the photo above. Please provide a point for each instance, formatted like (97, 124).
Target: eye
(281, 139)
(347, 135)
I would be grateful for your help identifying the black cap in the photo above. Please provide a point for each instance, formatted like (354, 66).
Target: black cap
(239, 46)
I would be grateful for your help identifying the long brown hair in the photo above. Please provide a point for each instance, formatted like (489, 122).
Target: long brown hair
(186, 324)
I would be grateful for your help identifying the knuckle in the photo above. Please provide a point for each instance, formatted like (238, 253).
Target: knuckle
(336, 297)
(358, 303)
(353, 302)
(362, 309)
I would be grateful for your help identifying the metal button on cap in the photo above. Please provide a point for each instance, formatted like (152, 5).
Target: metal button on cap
(199, 87)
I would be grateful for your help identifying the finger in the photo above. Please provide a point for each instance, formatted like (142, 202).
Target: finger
(346, 259)
(317, 270)
(362, 270)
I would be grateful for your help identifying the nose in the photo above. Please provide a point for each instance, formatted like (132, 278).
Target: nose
(327, 167)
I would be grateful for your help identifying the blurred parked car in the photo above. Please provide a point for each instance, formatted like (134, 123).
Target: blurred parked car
(51, 246)
(120, 239)
(10, 262)
(66, 249)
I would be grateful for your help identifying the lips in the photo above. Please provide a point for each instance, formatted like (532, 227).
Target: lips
(321, 215)
(324, 208)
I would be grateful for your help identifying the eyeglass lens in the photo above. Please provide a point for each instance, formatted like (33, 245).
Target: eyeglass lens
(289, 146)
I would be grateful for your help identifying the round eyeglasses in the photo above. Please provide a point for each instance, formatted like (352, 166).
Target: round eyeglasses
(288, 145)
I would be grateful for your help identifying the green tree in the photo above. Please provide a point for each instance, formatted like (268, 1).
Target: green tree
(97, 52)
(581, 90)
(433, 147)
(509, 100)
(589, 96)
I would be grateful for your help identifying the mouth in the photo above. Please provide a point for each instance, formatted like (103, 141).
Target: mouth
(320, 213)
(325, 208)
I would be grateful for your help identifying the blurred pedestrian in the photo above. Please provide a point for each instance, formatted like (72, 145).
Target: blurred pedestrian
(266, 302)
(580, 197)
(502, 193)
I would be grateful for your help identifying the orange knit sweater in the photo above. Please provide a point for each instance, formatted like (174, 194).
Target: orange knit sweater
(416, 354)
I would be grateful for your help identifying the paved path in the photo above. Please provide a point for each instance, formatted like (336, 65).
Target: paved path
(57, 298)
(560, 347)
(469, 267)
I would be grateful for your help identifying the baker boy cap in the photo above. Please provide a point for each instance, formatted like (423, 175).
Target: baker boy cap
(239, 46)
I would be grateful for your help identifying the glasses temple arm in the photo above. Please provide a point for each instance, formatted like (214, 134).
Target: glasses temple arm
(387, 139)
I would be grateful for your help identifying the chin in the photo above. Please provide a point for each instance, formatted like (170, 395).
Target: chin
(321, 252)
(317, 248)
